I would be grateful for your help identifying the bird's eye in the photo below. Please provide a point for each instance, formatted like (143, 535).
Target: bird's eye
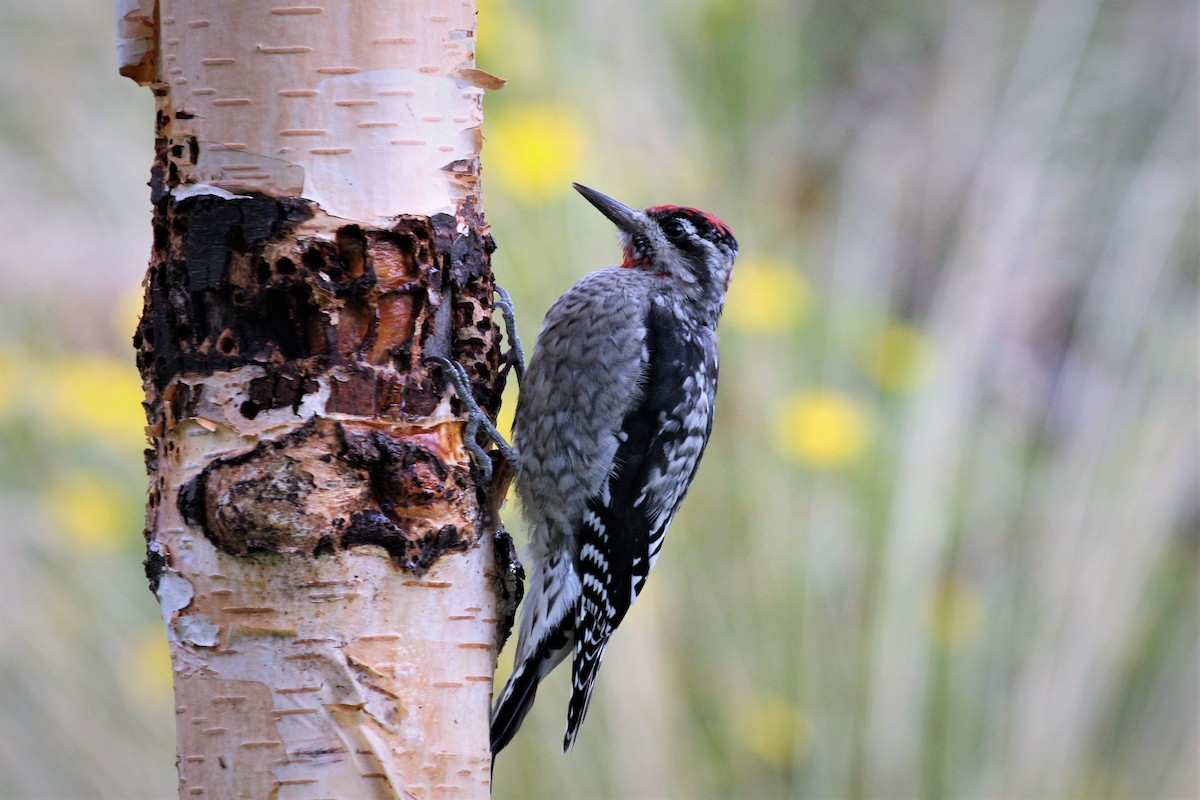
(674, 229)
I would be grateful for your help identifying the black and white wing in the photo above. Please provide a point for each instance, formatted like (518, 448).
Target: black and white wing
(661, 441)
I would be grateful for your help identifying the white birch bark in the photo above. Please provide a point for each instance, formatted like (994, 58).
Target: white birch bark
(314, 655)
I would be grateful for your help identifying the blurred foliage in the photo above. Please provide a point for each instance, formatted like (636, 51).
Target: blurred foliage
(944, 542)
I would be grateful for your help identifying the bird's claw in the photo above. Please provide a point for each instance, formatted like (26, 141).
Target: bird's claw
(476, 418)
(515, 357)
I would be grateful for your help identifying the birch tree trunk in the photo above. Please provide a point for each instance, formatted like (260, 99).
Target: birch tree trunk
(325, 562)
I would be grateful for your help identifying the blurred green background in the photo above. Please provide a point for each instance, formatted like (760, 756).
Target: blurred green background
(944, 543)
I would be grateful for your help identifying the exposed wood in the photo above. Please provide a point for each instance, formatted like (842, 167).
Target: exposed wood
(325, 562)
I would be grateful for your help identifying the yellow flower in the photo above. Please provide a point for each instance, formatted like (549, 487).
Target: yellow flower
(767, 296)
(534, 152)
(93, 397)
(823, 429)
(897, 359)
(954, 613)
(88, 510)
(774, 730)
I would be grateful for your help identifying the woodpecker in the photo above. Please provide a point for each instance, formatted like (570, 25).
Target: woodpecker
(614, 412)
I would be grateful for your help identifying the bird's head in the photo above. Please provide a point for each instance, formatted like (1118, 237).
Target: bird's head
(691, 250)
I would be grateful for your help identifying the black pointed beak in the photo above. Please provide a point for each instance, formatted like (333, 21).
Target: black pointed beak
(624, 217)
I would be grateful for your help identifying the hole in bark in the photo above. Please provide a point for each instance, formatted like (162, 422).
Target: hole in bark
(313, 259)
(235, 238)
(286, 314)
(352, 250)
(407, 244)
(250, 409)
(177, 150)
(262, 269)
(324, 547)
(161, 237)
(285, 266)
(226, 344)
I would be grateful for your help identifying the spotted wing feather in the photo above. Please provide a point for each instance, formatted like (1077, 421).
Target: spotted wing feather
(661, 441)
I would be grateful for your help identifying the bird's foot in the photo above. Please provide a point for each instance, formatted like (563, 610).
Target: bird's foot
(477, 419)
(514, 358)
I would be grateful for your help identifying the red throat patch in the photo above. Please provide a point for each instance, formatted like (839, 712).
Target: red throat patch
(633, 260)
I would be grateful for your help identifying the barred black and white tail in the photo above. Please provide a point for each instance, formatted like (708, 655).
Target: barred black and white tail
(585, 666)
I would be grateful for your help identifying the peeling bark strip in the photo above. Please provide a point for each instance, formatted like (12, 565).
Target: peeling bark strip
(333, 582)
